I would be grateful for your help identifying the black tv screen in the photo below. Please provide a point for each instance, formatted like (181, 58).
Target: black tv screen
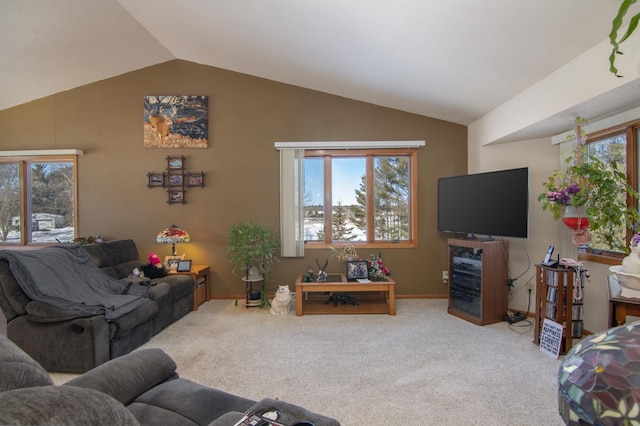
(493, 203)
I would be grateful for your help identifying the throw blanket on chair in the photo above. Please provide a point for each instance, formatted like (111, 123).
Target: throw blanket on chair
(66, 277)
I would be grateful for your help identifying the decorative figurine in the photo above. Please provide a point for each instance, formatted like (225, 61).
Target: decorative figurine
(281, 303)
(308, 277)
(322, 271)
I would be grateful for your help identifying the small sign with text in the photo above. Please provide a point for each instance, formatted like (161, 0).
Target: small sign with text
(551, 338)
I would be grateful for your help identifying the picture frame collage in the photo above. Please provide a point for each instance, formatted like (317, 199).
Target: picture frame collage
(175, 179)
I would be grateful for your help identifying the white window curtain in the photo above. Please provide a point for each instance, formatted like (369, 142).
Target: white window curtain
(291, 202)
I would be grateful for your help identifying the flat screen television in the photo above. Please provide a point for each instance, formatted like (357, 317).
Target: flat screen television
(492, 203)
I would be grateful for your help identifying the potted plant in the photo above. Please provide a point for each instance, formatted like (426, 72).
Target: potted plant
(617, 24)
(599, 189)
(252, 251)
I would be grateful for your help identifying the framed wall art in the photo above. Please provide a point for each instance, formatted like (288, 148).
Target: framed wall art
(155, 179)
(174, 163)
(176, 180)
(195, 179)
(176, 197)
(176, 121)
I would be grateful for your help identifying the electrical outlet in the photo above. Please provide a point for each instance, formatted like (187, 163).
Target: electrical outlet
(530, 286)
(445, 276)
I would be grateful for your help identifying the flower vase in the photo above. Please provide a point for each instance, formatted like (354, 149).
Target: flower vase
(575, 217)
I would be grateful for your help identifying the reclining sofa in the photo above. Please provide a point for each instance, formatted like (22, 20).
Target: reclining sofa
(72, 341)
(142, 387)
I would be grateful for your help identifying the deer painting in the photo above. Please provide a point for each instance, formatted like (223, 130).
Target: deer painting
(175, 121)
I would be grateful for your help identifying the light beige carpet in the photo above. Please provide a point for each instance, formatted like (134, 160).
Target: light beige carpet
(420, 367)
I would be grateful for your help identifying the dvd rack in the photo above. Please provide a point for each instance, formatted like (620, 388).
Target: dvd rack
(559, 298)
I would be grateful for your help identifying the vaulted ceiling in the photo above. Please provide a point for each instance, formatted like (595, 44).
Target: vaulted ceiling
(454, 60)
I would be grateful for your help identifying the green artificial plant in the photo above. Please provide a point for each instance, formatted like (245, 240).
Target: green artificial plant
(253, 245)
(617, 24)
(601, 187)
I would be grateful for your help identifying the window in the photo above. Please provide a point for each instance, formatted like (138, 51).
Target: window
(366, 197)
(38, 199)
(618, 143)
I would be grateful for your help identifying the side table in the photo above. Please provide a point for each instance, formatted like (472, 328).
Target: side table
(620, 306)
(200, 275)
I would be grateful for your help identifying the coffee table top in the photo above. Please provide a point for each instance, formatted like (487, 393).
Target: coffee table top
(341, 279)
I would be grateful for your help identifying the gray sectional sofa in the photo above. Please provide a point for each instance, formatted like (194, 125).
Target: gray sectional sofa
(142, 387)
(74, 339)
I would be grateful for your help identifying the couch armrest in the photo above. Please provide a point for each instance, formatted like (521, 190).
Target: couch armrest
(130, 375)
(72, 346)
(291, 413)
(60, 405)
(43, 312)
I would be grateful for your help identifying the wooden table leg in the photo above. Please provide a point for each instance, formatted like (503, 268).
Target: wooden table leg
(620, 310)
(299, 297)
(392, 300)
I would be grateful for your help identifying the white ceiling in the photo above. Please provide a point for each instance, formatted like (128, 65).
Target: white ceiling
(454, 60)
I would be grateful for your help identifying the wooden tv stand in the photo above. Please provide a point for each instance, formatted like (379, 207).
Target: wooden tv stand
(384, 302)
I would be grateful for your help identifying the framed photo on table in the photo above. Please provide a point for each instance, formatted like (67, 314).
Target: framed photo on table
(184, 266)
(171, 262)
(357, 269)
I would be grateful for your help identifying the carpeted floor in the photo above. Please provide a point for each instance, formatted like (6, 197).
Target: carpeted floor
(421, 366)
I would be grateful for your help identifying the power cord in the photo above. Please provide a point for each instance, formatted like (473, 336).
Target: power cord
(526, 323)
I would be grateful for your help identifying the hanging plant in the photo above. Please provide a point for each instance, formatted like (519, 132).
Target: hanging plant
(616, 26)
(600, 187)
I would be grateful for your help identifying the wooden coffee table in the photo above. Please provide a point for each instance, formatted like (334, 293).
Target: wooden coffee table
(378, 297)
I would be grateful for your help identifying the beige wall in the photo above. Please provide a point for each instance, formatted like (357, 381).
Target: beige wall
(542, 158)
(560, 95)
(246, 116)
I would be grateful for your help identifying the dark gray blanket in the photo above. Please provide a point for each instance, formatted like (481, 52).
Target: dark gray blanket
(65, 276)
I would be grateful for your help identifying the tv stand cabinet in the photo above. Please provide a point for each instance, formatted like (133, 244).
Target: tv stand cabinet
(478, 280)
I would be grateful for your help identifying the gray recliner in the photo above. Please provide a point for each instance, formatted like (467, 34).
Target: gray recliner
(65, 340)
(142, 387)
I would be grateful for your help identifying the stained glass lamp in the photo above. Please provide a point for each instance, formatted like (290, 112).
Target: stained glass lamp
(173, 235)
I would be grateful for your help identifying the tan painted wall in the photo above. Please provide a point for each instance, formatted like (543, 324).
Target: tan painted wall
(542, 158)
(246, 116)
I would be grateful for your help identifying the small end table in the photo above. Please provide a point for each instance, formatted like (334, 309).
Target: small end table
(200, 275)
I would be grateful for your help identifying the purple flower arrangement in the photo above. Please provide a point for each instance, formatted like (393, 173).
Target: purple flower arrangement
(565, 196)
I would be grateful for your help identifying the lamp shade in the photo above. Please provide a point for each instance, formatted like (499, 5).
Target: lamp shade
(173, 235)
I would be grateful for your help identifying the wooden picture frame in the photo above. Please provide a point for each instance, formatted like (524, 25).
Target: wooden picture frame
(155, 179)
(184, 266)
(357, 269)
(195, 179)
(175, 163)
(176, 180)
(171, 262)
(176, 197)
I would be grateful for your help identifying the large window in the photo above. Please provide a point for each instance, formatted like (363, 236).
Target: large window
(366, 197)
(38, 199)
(620, 144)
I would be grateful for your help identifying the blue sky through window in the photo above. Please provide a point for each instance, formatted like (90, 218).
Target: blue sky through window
(346, 177)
